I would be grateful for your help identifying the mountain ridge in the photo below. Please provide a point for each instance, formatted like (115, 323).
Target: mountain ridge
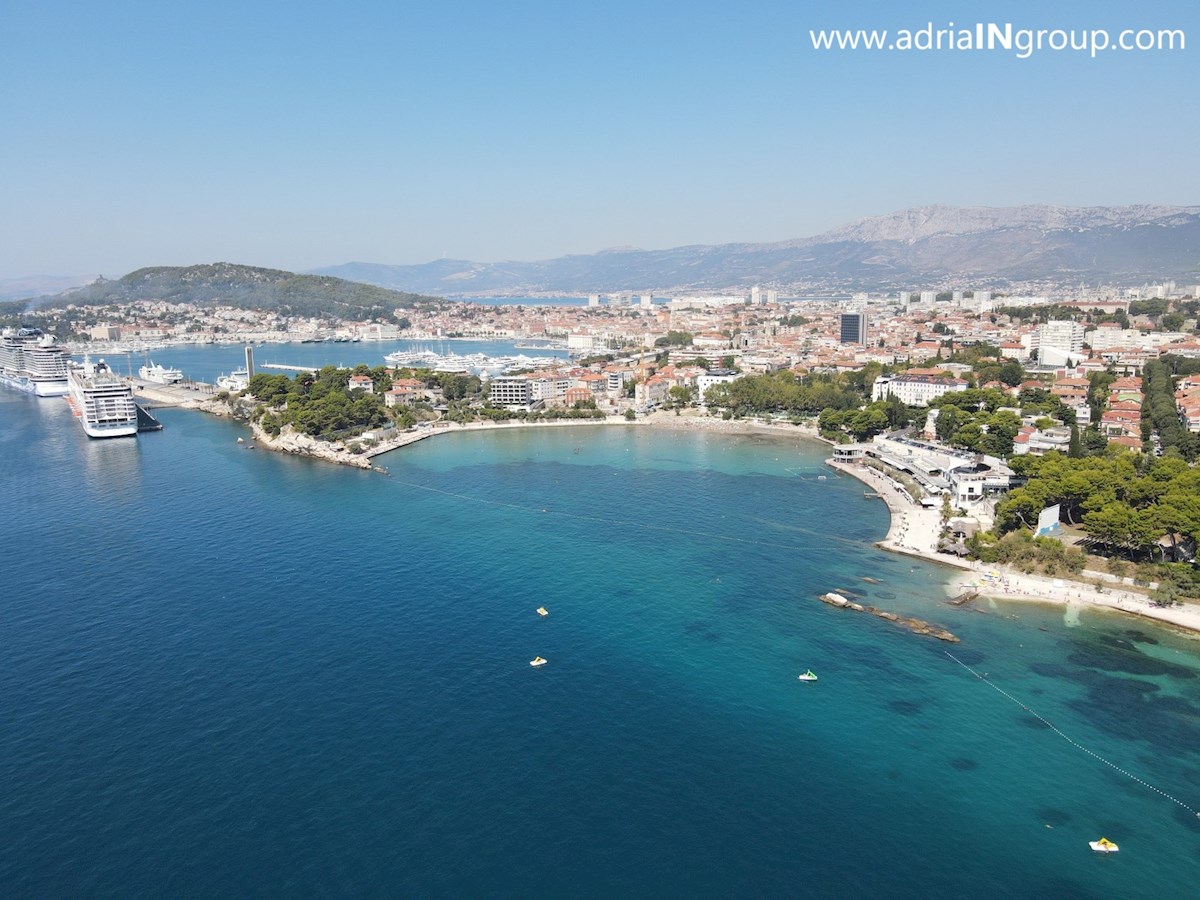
(906, 248)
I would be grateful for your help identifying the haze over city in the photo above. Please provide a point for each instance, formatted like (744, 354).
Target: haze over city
(302, 135)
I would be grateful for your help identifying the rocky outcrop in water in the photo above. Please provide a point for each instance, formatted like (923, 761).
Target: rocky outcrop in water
(916, 626)
(291, 441)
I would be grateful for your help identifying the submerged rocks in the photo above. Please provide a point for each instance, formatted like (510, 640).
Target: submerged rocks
(916, 626)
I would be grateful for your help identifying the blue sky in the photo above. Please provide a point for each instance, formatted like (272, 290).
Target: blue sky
(304, 134)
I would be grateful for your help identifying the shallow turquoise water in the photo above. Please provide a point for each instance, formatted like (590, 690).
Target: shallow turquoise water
(233, 672)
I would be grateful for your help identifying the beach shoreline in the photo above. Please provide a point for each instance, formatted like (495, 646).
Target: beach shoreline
(296, 444)
(915, 530)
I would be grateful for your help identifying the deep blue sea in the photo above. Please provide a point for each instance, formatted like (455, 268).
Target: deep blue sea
(228, 672)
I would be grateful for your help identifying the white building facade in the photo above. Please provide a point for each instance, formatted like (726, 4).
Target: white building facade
(914, 390)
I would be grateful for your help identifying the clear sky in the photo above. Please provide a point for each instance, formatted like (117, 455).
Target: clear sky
(303, 134)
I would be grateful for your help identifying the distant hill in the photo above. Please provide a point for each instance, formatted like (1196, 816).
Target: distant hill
(911, 248)
(37, 286)
(246, 287)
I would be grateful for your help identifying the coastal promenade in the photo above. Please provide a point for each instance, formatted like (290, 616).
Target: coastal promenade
(915, 529)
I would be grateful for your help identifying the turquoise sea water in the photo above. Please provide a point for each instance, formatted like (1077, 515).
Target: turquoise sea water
(229, 672)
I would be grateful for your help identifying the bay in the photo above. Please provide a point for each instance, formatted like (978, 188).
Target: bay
(231, 672)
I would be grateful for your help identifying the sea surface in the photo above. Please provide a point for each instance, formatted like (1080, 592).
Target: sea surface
(228, 672)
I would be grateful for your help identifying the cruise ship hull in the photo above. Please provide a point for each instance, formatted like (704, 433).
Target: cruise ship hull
(51, 388)
(33, 386)
(20, 382)
(123, 429)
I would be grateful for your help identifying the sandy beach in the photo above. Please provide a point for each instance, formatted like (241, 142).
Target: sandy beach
(914, 531)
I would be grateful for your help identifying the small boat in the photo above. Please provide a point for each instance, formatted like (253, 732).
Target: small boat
(537, 662)
(807, 676)
(541, 611)
(1104, 845)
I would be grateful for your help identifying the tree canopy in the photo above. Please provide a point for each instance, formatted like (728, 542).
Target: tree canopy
(320, 404)
(1124, 500)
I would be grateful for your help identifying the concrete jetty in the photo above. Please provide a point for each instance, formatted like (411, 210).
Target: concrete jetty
(286, 368)
(152, 395)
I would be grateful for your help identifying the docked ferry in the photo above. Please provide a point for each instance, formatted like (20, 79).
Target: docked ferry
(157, 374)
(102, 400)
(33, 361)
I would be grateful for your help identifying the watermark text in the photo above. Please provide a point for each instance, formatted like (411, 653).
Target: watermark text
(1002, 37)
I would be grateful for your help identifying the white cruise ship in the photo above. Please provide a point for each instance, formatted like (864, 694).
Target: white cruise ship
(156, 374)
(102, 400)
(33, 361)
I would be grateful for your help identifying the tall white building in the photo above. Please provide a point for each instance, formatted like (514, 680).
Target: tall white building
(714, 376)
(1059, 341)
(510, 391)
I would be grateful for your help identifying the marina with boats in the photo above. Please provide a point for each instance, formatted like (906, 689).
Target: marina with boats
(480, 364)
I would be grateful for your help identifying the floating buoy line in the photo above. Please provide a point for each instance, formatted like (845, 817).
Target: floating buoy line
(1074, 743)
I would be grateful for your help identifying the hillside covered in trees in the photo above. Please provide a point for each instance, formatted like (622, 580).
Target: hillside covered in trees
(245, 287)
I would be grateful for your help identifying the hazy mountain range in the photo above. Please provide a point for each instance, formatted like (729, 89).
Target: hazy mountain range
(37, 285)
(927, 246)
